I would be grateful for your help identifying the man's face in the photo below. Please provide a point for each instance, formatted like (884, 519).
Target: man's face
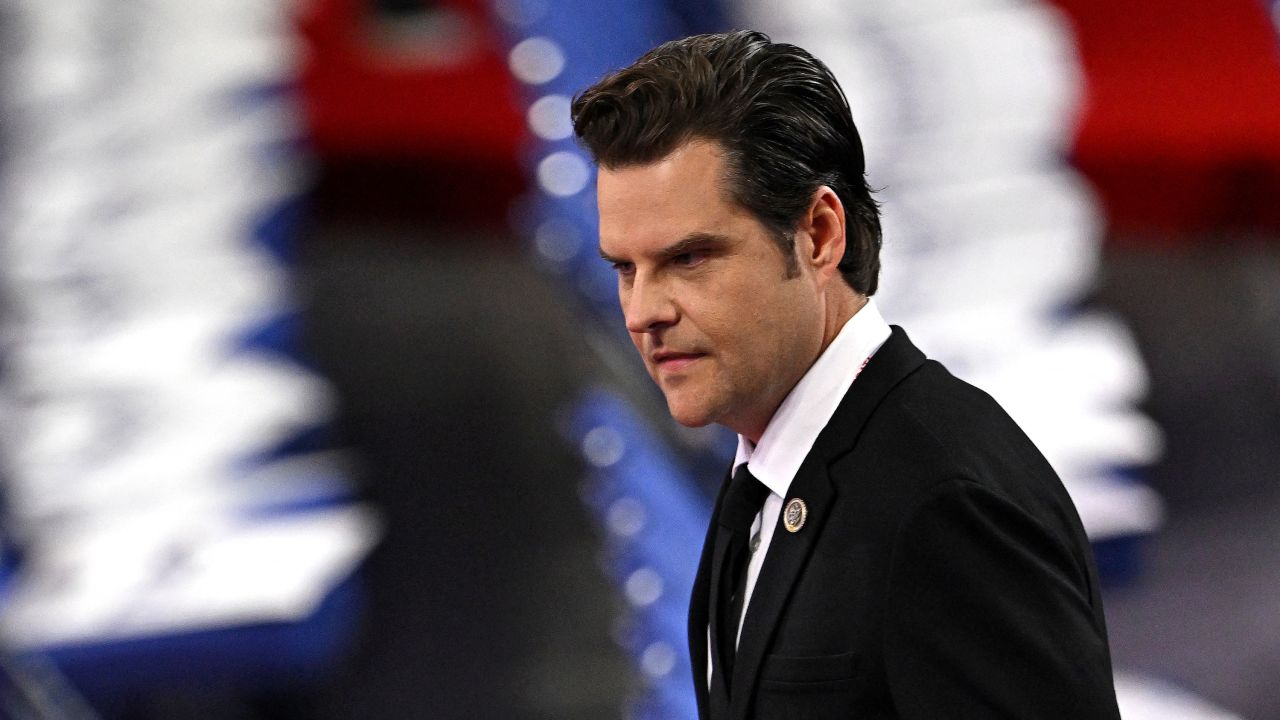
(703, 285)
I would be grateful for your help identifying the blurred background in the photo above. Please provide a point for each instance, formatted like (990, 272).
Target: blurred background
(315, 402)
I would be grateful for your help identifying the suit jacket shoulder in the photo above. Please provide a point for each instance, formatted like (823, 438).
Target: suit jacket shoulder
(943, 571)
(932, 430)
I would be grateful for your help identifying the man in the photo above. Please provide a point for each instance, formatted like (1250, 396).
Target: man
(890, 544)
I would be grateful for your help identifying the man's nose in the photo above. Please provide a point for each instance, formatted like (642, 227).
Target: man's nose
(648, 307)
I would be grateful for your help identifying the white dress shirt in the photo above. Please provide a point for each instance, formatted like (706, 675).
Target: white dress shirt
(794, 428)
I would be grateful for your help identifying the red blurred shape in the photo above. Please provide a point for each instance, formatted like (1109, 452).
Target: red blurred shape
(374, 87)
(414, 116)
(1181, 129)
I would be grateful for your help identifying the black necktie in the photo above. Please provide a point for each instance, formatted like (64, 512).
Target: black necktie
(742, 502)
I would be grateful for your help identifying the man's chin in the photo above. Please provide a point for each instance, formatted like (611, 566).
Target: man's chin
(691, 423)
(688, 416)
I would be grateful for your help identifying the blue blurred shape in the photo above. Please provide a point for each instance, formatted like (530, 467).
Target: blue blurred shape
(655, 519)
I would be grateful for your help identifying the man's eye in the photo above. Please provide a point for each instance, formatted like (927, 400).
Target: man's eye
(688, 259)
(623, 268)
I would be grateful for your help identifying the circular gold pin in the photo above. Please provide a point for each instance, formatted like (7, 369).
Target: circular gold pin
(794, 515)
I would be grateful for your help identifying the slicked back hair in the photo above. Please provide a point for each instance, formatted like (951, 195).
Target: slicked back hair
(776, 111)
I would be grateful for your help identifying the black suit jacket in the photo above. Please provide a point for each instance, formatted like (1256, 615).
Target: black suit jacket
(942, 571)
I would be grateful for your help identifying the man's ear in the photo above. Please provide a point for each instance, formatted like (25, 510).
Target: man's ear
(824, 224)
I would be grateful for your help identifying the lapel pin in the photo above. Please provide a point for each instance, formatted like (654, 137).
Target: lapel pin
(794, 515)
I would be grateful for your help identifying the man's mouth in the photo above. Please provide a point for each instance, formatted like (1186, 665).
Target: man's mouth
(674, 361)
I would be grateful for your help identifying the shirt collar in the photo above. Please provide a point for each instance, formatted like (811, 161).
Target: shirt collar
(794, 428)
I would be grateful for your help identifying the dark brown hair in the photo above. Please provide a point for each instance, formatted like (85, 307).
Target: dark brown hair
(778, 113)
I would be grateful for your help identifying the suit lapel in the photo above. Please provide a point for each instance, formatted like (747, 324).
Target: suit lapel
(789, 552)
(719, 692)
(700, 604)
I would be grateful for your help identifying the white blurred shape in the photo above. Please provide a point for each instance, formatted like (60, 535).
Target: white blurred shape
(549, 117)
(1146, 698)
(657, 660)
(626, 517)
(536, 60)
(603, 446)
(164, 573)
(144, 154)
(643, 587)
(563, 174)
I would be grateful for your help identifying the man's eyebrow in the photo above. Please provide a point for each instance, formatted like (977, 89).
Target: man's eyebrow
(689, 242)
(692, 241)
